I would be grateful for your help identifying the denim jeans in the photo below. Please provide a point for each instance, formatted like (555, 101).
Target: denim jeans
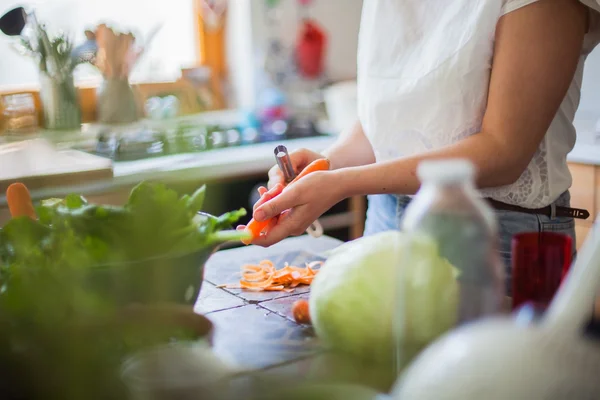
(385, 213)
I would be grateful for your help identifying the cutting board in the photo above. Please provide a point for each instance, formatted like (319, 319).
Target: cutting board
(38, 164)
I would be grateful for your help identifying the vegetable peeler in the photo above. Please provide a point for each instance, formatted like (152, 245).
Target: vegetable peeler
(287, 169)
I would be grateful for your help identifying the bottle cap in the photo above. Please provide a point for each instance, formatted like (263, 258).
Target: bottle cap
(447, 171)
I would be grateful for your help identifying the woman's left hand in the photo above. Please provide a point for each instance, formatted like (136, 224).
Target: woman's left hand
(298, 206)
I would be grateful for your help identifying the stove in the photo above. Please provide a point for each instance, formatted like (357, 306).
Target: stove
(144, 142)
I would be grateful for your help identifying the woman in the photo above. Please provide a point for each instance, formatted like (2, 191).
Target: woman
(494, 81)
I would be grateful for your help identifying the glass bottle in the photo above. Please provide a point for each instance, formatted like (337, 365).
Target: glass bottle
(449, 209)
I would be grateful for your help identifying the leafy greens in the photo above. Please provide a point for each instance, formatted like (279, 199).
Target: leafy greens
(155, 221)
(56, 338)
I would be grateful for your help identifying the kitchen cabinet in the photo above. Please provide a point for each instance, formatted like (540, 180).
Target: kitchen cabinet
(583, 187)
(582, 230)
(585, 193)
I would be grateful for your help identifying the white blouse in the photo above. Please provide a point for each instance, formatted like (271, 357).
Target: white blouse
(423, 77)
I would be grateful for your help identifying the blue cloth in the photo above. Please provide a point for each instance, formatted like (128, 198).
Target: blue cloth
(385, 213)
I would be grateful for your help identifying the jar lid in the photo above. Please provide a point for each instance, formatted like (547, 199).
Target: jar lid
(448, 171)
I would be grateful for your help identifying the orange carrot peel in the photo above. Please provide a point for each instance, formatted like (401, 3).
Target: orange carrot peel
(264, 277)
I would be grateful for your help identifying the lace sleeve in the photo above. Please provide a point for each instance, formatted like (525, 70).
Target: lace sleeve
(593, 4)
(512, 5)
(593, 37)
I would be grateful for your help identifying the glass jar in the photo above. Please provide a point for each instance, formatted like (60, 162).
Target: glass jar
(19, 114)
(449, 209)
(60, 101)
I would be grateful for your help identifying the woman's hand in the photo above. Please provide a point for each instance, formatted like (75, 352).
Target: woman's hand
(300, 160)
(265, 195)
(299, 205)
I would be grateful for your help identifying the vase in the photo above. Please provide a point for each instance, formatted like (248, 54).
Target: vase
(60, 103)
(117, 102)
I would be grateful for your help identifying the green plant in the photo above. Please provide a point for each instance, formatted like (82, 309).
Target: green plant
(155, 221)
(52, 53)
(59, 340)
(56, 62)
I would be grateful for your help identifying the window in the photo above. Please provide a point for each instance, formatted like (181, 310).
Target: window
(173, 47)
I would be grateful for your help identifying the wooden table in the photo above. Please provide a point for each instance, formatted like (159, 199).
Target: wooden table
(256, 331)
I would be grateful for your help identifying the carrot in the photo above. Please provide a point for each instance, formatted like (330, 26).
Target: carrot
(19, 201)
(322, 164)
(264, 277)
(256, 228)
(301, 312)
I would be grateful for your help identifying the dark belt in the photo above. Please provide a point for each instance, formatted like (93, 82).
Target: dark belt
(558, 211)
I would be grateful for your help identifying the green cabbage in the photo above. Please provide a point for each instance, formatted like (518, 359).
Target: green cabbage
(368, 285)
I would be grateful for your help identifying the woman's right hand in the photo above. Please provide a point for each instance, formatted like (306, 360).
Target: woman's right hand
(300, 160)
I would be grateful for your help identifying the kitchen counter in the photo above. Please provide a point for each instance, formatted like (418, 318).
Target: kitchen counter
(222, 164)
(213, 165)
(256, 332)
